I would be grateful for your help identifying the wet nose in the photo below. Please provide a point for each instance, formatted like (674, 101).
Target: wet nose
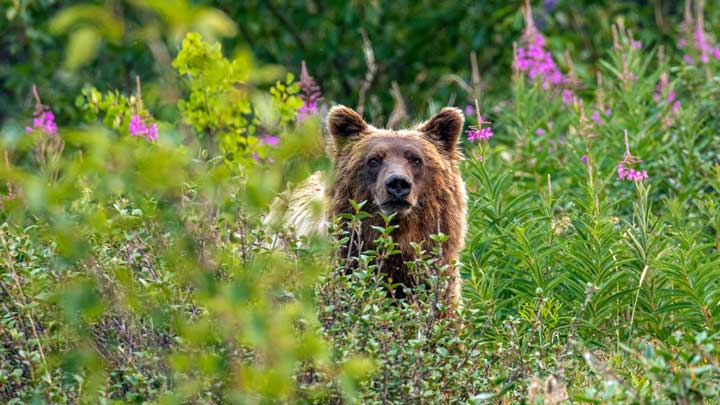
(398, 186)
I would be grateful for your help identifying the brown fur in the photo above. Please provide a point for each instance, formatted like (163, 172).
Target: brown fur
(426, 156)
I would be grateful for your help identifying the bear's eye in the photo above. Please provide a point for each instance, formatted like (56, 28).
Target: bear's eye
(415, 161)
(373, 162)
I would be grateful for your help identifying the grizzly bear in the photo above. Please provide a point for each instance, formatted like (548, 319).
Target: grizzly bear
(411, 173)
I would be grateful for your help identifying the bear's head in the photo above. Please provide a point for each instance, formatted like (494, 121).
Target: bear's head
(395, 171)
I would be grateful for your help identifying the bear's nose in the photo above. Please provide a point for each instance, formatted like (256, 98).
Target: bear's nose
(398, 186)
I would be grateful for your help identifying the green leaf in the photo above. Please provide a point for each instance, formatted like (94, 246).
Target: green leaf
(82, 47)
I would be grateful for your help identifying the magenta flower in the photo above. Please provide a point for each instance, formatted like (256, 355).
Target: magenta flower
(596, 117)
(628, 173)
(270, 140)
(537, 62)
(671, 98)
(475, 133)
(584, 159)
(631, 174)
(676, 107)
(138, 127)
(306, 110)
(694, 39)
(567, 96)
(43, 117)
(534, 60)
(309, 92)
(469, 110)
(702, 45)
(43, 120)
(152, 132)
(636, 44)
(539, 131)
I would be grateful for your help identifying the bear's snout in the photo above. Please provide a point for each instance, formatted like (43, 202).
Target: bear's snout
(398, 186)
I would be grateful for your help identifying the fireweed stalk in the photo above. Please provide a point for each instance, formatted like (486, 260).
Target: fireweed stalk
(628, 173)
(140, 121)
(533, 60)
(478, 133)
(626, 47)
(693, 40)
(138, 127)
(587, 133)
(43, 117)
(602, 112)
(665, 93)
(309, 92)
(50, 147)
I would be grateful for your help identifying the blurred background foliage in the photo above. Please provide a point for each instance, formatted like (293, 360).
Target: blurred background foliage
(425, 47)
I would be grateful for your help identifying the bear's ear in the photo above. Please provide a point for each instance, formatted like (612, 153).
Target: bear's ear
(344, 124)
(444, 128)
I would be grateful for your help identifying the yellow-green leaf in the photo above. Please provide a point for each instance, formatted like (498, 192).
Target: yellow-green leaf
(82, 47)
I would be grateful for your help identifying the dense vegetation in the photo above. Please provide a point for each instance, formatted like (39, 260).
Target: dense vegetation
(142, 143)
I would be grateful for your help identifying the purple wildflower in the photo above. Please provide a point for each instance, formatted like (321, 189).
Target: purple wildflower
(534, 60)
(676, 107)
(270, 140)
(567, 96)
(628, 173)
(701, 44)
(152, 132)
(43, 120)
(671, 98)
(138, 127)
(694, 39)
(306, 110)
(43, 117)
(596, 117)
(608, 112)
(634, 44)
(584, 159)
(469, 110)
(309, 92)
(539, 131)
(475, 133)
(537, 63)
